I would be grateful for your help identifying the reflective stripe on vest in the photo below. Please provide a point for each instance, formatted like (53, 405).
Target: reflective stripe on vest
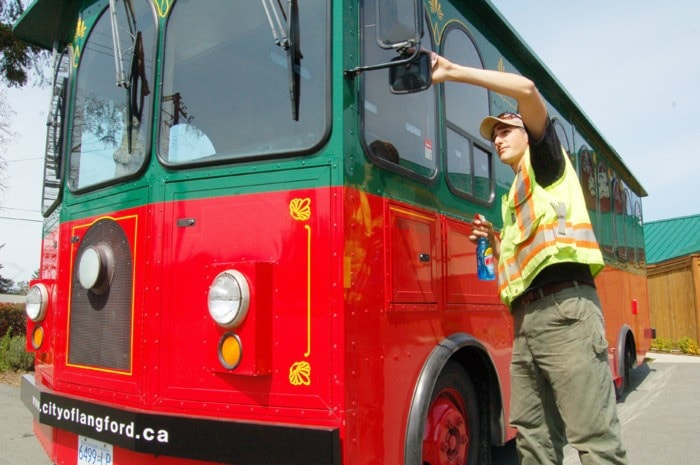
(545, 240)
(543, 226)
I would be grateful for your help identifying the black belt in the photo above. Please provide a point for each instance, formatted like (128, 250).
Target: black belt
(531, 295)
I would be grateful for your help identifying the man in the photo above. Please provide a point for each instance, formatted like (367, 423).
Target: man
(561, 388)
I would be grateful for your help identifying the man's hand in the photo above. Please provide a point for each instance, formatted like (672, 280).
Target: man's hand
(481, 227)
(440, 66)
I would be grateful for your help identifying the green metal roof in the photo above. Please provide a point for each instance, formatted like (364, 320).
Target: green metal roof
(676, 237)
(46, 21)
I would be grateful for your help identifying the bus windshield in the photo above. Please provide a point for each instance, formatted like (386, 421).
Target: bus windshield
(228, 92)
(111, 120)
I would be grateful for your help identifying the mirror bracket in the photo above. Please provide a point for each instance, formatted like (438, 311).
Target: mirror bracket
(389, 14)
(351, 73)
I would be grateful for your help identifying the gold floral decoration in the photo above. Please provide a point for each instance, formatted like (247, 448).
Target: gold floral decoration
(80, 29)
(436, 8)
(300, 209)
(300, 374)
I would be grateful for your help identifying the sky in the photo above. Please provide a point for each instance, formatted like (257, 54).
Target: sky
(631, 65)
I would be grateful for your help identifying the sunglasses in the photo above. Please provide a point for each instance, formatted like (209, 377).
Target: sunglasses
(508, 115)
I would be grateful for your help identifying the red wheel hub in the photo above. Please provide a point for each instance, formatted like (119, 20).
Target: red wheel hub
(446, 438)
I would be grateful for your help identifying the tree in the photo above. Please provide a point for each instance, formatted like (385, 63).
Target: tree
(22, 287)
(18, 60)
(6, 284)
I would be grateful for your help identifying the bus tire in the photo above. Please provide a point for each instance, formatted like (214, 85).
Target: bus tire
(623, 382)
(452, 424)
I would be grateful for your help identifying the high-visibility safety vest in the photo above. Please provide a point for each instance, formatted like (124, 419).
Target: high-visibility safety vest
(543, 226)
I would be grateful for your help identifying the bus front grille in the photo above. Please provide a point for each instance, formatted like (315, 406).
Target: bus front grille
(100, 321)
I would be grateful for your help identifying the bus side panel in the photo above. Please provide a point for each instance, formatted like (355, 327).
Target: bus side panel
(624, 297)
(410, 282)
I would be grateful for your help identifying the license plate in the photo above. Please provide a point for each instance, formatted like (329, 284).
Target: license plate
(91, 452)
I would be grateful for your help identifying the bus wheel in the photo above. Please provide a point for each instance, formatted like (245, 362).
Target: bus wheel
(452, 427)
(623, 382)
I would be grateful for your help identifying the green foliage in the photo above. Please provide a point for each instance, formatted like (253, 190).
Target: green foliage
(12, 319)
(662, 343)
(685, 345)
(13, 354)
(6, 284)
(688, 346)
(17, 59)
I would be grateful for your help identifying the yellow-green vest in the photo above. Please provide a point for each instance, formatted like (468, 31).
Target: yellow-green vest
(543, 226)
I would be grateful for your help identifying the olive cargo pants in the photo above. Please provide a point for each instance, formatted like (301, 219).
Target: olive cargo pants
(561, 387)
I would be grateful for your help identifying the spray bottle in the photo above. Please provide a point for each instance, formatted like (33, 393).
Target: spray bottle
(485, 263)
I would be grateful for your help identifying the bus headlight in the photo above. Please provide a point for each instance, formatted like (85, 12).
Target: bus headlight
(37, 302)
(229, 298)
(96, 268)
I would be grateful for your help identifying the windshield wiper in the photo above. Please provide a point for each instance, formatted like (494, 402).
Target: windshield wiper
(294, 57)
(289, 39)
(136, 84)
(116, 40)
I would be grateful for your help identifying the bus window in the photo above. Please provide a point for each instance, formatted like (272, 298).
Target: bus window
(469, 159)
(605, 191)
(563, 139)
(639, 228)
(630, 226)
(110, 137)
(619, 219)
(55, 131)
(588, 178)
(226, 82)
(406, 123)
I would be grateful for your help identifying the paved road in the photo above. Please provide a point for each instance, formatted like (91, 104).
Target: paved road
(659, 418)
(659, 415)
(18, 446)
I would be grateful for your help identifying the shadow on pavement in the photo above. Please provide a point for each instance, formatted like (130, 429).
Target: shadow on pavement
(637, 377)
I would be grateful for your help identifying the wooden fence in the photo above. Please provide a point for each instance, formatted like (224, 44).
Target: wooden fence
(674, 297)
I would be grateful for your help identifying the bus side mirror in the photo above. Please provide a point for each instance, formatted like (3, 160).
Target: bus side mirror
(411, 77)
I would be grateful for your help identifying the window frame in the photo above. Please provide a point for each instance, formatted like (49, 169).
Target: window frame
(147, 120)
(474, 140)
(405, 171)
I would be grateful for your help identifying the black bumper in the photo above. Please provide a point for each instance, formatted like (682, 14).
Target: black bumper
(187, 437)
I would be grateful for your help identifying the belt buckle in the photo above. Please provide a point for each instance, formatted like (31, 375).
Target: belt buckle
(528, 297)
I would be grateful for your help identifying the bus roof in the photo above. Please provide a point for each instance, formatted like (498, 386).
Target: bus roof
(45, 22)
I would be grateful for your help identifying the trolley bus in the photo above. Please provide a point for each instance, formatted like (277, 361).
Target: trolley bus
(255, 247)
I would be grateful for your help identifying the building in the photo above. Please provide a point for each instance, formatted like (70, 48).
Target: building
(673, 269)
(13, 298)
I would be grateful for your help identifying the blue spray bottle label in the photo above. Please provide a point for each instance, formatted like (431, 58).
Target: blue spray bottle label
(485, 263)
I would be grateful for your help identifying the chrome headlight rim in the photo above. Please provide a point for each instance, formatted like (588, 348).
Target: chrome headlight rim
(37, 302)
(229, 298)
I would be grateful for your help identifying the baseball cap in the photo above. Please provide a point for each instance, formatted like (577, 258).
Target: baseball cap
(490, 122)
